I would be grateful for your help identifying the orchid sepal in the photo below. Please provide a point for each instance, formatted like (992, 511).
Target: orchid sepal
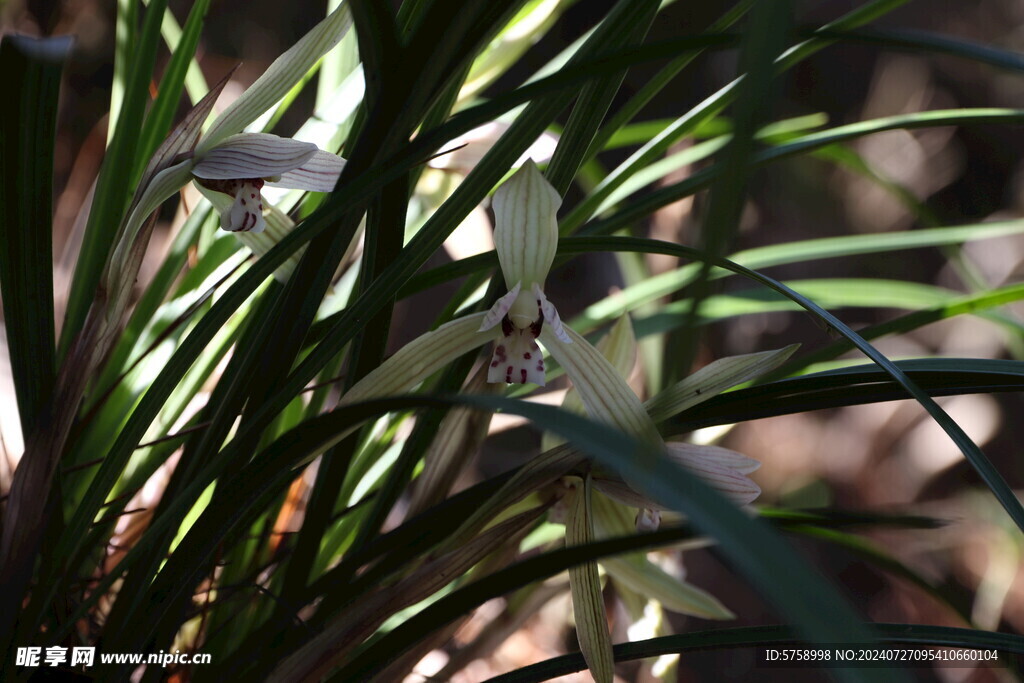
(585, 586)
(285, 71)
(526, 232)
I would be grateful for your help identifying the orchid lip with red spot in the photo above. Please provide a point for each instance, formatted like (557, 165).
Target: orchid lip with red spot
(517, 358)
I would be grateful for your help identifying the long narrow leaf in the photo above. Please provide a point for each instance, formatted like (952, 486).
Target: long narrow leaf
(27, 130)
(112, 192)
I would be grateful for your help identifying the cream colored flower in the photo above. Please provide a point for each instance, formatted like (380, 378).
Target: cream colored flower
(525, 237)
(241, 164)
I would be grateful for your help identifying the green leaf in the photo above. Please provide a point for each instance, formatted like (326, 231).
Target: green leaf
(345, 632)
(856, 385)
(158, 122)
(932, 43)
(112, 193)
(612, 133)
(762, 42)
(27, 131)
(759, 257)
(807, 143)
(779, 254)
(971, 303)
(195, 82)
(578, 141)
(126, 32)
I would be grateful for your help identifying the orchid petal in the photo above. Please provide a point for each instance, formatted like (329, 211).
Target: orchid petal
(253, 155)
(727, 481)
(688, 455)
(181, 140)
(635, 572)
(319, 174)
(526, 232)
(500, 309)
(550, 313)
(619, 491)
(278, 79)
(163, 185)
(619, 347)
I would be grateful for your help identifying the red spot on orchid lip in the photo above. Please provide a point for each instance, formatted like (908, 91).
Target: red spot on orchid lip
(508, 375)
(523, 374)
(253, 196)
(243, 202)
(526, 356)
(494, 364)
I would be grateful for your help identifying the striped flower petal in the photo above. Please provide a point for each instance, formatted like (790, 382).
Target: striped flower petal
(691, 455)
(253, 155)
(319, 174)
(500, 309)
(716, 472)
(550, 315)
(720, 468)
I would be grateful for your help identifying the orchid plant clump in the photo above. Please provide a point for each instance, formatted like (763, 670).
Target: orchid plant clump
(312, 404)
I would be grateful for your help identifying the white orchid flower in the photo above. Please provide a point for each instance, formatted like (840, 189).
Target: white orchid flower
(236, 165)
(232, 164)
(525, 237)
(242, 164)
